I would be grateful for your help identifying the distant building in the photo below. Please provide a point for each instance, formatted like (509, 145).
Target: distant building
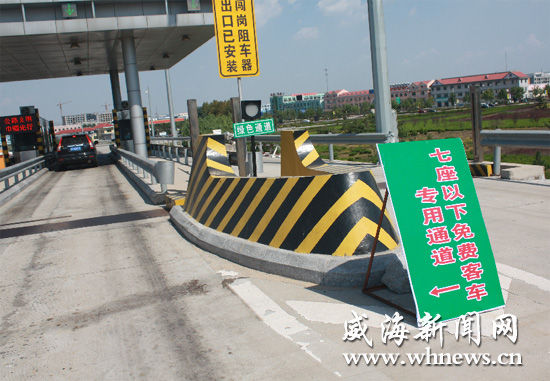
(441, 89)
(540, 78)
(97, 117)
(416, 91)
(339, 98)
(298, 102)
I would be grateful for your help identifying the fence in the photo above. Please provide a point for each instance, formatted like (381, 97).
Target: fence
(161, 172)
(521, 139)
(13, 175)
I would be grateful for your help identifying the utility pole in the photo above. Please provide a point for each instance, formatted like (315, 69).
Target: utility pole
(326, 77)
(60, 105)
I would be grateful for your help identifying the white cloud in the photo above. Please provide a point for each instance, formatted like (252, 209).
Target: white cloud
(307, 33)
(266, 10)
(412, 11)
(533, 41)
(331, 7)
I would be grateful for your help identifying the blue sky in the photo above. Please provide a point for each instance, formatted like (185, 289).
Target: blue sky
(298, 39)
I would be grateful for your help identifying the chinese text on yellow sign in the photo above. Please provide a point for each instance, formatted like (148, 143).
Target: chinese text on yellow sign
(236, 38)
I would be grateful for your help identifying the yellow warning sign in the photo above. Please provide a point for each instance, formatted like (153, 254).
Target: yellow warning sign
(236, 38)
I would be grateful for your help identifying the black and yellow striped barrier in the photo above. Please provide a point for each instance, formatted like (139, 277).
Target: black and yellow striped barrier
(334, 214)
(147, 132)
(300, 158)
(115, 126)
(5, 151)
(481, 169)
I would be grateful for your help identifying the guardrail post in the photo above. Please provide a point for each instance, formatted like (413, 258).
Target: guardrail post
(177, 154)
(185, 156)
(496, 160)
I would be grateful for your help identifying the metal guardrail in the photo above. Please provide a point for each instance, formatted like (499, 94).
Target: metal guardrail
(522, 139)
(164, 139)
(171, 152)
(368, 138)
(26, 169)
(161, 172)
(526, 138)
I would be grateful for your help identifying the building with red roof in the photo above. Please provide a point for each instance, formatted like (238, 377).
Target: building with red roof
(443, 88)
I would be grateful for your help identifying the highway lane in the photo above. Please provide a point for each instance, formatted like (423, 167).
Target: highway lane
(97, 284)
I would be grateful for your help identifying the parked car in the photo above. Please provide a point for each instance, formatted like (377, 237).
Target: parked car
(74, 150)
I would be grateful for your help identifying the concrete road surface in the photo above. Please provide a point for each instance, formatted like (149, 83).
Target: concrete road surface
(97, 284)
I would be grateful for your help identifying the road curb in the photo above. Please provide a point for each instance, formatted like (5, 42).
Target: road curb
(321, 269)
(154, 197)
(16, 189)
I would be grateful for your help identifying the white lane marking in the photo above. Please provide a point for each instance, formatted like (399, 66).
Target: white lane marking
(266, 309)
(228, 273)
(527, 277)
(339, 313)
(286, 325)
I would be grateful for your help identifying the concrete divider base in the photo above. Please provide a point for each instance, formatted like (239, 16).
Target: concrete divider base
(316, 268)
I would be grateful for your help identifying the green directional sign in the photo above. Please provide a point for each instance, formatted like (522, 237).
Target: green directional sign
(450, 262)
(254, 127)
(68, 10)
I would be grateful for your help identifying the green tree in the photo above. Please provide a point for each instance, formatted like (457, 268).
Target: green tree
(396, 106)
(452, 99)
(429, 102)
(517, 93)
(502, 96)
(408, 105)
(547, 89)
(488, 95)
(466, 98)
(365, 108)
(538, 93)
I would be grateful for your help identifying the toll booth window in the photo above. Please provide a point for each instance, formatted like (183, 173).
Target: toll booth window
(24, 142)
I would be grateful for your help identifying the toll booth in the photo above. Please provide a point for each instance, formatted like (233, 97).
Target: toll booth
(123, 128)
(27, 134)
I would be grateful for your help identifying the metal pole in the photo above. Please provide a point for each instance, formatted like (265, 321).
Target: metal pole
(241, 142)
(476, 122)
(193, 125)
(115, 89)
(134, 95)
(150, 112)
(496, 160)
(170, 104)
(382, 99)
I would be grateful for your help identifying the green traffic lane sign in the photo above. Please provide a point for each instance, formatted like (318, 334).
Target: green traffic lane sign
(254, 127)
(449, 257)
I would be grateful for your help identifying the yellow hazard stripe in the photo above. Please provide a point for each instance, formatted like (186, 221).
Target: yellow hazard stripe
(201, 194)
(222, 201)
(305, 199)
(236, 204)
(310, 158)
(273, 208)
(210, 197)
(301, 139)
(195, 179)
(217, 146)
(354, 237)
(252, 207)
(353, 194)
(219, 166)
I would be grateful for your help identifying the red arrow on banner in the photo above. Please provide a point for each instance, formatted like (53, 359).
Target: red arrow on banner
(436, 291)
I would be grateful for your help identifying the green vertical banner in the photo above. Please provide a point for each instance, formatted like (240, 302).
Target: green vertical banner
(451, 266)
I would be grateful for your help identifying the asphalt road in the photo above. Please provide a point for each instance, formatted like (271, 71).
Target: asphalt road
(96, 284)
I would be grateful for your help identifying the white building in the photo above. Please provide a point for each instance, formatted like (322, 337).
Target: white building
(442, 88)
(540, 78)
